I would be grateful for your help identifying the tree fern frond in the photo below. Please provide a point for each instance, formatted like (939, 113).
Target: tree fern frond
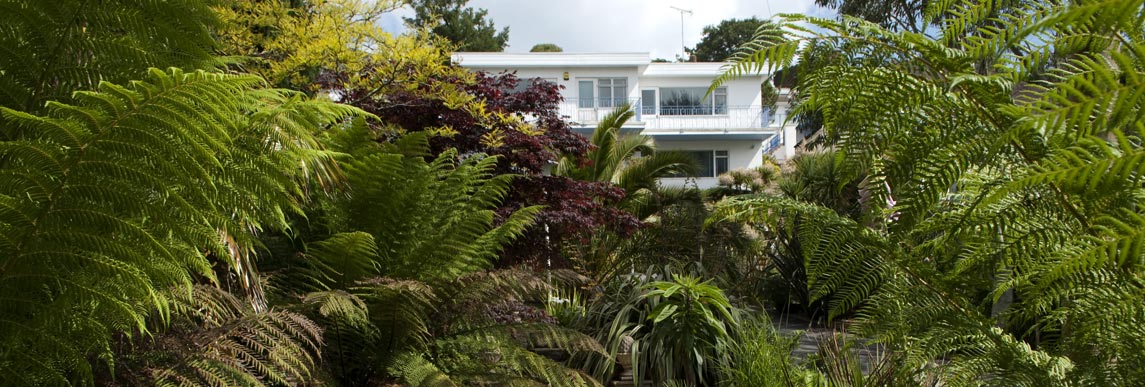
(127, 192)
(53, 49)
(418, 372)
(217, 339)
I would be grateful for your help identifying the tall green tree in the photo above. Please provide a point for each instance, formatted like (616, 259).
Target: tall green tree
(902, 15)
(127, 188)
(397, 272)
(720, 41)
(466, 27)
(133, 192)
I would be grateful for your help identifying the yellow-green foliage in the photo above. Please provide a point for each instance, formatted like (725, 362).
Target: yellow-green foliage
(290, 43)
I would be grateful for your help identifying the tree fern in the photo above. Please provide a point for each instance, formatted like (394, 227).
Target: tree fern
(217, 339)
(53, 48)
(130, 191)
(1003, 161)
(441, 212)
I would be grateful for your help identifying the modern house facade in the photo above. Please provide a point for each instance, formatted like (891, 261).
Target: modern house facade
(725, 130)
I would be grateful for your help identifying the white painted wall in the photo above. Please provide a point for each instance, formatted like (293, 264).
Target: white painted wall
(642, 75)
(741, 154)
(741, 92)
(576, 74)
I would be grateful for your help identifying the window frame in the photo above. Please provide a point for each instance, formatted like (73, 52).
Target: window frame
(713, 108)
(591, 100)
(598, 100)
(714, 168)
(653, 108)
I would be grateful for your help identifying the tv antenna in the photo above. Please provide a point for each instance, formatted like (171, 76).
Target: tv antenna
(683, 48)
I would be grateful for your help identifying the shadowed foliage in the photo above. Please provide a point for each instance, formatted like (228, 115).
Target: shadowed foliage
(1000, 202)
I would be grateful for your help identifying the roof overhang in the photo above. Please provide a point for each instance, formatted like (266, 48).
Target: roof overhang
(706, 69)
(548, 59)
(701, 136)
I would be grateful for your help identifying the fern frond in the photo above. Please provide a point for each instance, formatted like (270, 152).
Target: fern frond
(444, 212)
(418, 372)
(218, 340)
(52, 49)
(131, 190)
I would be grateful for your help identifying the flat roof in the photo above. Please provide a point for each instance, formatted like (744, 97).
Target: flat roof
(505, 60)
(684, 69)
(549, 59)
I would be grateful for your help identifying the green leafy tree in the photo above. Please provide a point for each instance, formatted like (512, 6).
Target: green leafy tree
(148, 185)
(903, 15)
(397, 272)
(294, 44)
(631, 162)
(546, 47)
(466, 27)
(721, 41)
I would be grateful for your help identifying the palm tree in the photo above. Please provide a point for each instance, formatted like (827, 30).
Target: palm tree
(630, 161)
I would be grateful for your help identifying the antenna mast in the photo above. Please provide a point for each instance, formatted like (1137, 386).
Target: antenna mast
(683, 48)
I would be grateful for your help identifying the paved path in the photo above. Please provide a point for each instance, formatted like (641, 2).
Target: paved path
(813, 334)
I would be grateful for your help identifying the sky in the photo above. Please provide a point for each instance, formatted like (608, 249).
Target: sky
(617, 25)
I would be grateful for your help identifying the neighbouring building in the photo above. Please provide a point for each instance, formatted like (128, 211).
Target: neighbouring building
(725, 130)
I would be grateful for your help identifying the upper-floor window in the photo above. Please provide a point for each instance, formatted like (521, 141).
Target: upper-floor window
(648, 101)
(526, 84)
(602, 92)
(677, 101)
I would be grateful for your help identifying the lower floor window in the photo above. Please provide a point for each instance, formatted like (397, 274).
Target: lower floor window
(710, 163)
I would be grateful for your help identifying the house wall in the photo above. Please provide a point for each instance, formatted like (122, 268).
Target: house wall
(672, 132)
(569, 92)
(741, 92)
(741, 154)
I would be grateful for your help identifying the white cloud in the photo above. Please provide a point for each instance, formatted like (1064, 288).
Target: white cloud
(617, 25)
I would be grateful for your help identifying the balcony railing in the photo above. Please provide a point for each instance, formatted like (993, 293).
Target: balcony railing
(590, 112)
(773, 143)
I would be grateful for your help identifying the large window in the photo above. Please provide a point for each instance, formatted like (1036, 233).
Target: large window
(609, 92)
(691, 101)
(710, 163)
(612, 91)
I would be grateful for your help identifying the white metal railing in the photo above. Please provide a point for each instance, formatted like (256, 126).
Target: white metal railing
(590, 112)
(773, 143)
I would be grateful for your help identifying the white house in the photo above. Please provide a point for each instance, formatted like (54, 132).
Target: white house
(727, 129)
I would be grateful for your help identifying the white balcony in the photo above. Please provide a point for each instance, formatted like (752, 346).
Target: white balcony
(668, 119)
